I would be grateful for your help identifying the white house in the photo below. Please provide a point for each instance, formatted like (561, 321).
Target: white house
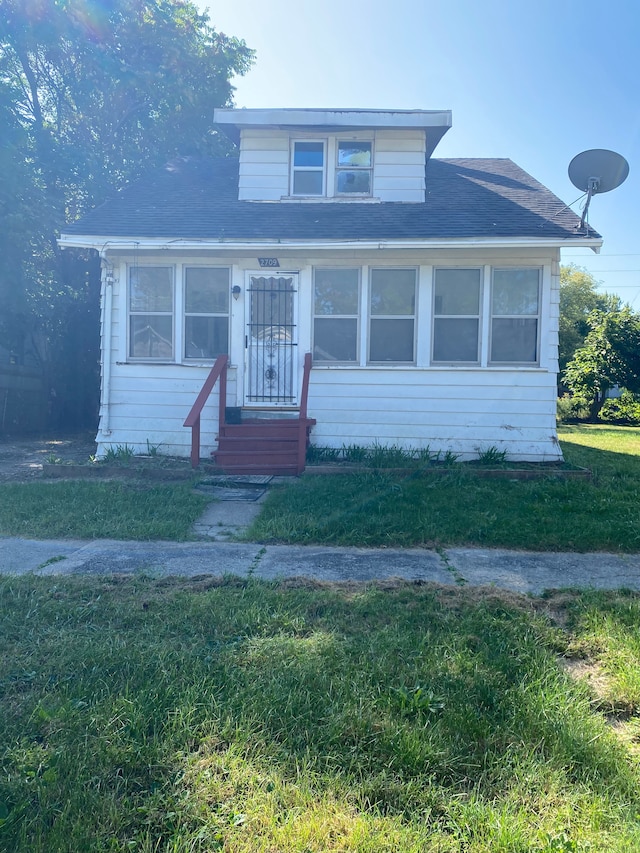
(425, 290)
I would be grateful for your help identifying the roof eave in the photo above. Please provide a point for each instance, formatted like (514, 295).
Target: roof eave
(435, 122)
(104, 243)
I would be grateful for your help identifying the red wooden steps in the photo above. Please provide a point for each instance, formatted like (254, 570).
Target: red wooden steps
(263, 446)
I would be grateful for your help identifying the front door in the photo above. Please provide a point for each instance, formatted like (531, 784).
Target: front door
(271, 367)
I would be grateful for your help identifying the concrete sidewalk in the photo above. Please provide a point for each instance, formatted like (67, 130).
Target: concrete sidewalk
(520, 571)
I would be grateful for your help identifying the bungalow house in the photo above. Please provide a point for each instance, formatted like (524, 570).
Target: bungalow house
(342, 283)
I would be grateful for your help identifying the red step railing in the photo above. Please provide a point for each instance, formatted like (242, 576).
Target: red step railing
(218, 371)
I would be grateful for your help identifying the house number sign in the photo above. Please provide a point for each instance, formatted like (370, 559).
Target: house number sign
(269, 262)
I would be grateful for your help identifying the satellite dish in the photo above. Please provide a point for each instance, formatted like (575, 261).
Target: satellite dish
(597, 171)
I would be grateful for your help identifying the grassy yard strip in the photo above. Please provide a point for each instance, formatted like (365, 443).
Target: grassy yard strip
(374, 508)
(95, 510)
(194, 715)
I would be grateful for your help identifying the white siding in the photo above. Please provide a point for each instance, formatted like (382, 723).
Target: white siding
(149, 403)
(399, 166)
(264, 165)
(398, 173)
(465, 410)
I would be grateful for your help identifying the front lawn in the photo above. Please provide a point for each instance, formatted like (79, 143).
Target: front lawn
(457, 508)
(191, 716)
(98, 510)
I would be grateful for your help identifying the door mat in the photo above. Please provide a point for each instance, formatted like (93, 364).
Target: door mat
(229, 493)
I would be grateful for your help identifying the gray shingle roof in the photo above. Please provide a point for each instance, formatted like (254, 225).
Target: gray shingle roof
(197, 199)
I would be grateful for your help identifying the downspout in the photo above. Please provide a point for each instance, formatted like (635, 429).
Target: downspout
(107, 303)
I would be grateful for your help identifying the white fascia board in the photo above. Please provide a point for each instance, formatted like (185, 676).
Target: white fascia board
(111, 244)
(400, 119)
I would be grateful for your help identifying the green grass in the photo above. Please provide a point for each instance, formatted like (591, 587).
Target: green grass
(457, 508)
(182, 716)
(91, 510)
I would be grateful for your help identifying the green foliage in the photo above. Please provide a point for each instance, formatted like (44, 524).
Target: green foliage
(609, 356)
(377, 456)
(119, 453)
(622, 410)
(492, 457)
(579, 296)
(91, 95)
(570, 409)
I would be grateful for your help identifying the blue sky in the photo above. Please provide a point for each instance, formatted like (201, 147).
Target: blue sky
(536, 82)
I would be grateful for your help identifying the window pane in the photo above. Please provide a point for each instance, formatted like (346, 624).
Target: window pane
(206, 290)
(335, 339)
(393, 292)
(307, 183)
(391, 340)
(151, 336)
(514, 339)
(151, 288)
(455, 340)
(354, 153)
(354, 181)
(515, 291)
(336, 292)
(457, 292)
(206, 337)
(308, 154)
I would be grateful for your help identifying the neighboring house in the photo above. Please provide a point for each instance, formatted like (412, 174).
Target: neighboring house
(426, 290)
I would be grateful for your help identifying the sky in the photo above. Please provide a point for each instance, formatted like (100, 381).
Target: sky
(537, 82)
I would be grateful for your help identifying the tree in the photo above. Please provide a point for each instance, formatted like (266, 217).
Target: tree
(93, 93)
(578, 298)
(609, 356)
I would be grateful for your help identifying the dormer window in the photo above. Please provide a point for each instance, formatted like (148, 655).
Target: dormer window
(353, 168)
(331, 167)
(308, 168)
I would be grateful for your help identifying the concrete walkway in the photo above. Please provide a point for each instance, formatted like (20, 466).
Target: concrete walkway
(524, 572)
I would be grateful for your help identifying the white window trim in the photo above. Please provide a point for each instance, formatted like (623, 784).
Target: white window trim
(338, 169)
(293, 168)
(178, 313)
(330, 168)
(414, 316)
(358, 316)
(129, 267)
(202, 359)
(537, 317)
(477, 362)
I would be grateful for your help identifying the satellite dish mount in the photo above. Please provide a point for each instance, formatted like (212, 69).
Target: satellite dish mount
(597, 171)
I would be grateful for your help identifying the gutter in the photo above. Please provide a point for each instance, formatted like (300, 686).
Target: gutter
(104, 243)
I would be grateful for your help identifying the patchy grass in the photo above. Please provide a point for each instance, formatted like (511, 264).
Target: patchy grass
(373, 508)
(92, 510)
(189, 715)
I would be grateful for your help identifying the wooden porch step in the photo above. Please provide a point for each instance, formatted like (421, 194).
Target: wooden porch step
(257, 444)
(251, 456)
(260, 428)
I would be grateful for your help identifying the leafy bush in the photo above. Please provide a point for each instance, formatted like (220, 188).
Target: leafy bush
(571, 409)
(621, 410)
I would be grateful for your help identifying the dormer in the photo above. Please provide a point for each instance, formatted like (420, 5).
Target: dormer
(291, 155)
